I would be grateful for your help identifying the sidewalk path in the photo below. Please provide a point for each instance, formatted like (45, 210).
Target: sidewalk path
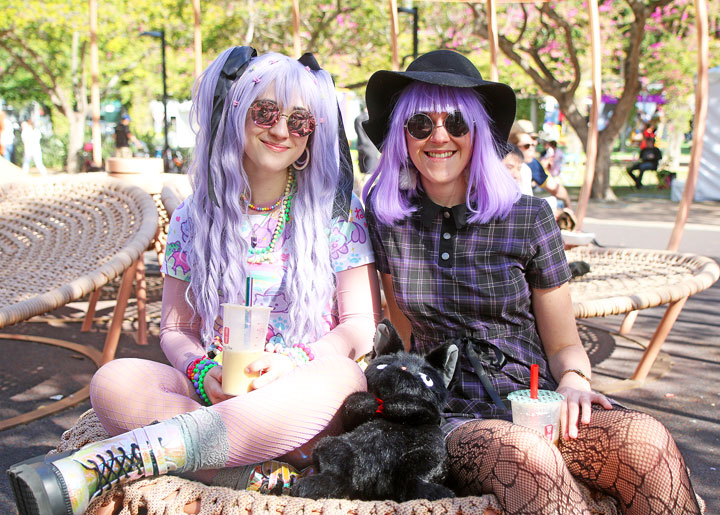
(685, 396)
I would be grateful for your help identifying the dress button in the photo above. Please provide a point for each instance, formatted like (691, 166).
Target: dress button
(447, 236)
(445, 256)
(446, 214)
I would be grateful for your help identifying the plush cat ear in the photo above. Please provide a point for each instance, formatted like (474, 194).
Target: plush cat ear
(387, 339)
(444, 359)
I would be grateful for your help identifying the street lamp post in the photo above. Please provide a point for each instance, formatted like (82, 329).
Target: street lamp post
(414, 12)
(161, 34)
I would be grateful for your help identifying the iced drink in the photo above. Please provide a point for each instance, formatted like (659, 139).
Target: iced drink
(244, 333)
(541, 414)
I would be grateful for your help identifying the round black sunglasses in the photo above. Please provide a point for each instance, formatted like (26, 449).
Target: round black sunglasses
(420, 125)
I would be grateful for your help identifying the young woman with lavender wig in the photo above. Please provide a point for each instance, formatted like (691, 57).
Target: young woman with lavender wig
(465, 258)
(272, 200)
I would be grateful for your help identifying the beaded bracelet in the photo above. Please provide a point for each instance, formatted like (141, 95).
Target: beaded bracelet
(191, 367)
(299, 353)
(198, 377)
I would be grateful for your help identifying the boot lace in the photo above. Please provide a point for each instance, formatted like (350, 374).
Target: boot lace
(115, 466)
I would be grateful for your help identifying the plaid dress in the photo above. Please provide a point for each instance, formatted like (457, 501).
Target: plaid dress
(470, 283)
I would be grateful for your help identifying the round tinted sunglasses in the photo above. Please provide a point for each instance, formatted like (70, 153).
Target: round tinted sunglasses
(266, 114)
(420, 125)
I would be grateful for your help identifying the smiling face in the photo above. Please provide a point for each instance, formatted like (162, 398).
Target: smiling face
(441, 160)
(271, 150)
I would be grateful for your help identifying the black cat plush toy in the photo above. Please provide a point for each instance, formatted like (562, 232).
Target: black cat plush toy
(393, 447)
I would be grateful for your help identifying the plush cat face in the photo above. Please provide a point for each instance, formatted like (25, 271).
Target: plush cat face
(404, 373)
(394, 371)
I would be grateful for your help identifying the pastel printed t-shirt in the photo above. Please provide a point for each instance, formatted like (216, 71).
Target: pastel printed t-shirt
(350, 247)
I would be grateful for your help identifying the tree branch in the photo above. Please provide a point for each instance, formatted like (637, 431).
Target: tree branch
(56, 96)
(38, 61)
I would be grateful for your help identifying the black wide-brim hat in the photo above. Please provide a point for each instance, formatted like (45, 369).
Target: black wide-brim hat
(442, 68)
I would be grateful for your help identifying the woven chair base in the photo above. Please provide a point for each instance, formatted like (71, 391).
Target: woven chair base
(170, 494)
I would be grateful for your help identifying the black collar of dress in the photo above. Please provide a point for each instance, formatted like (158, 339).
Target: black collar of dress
(429, 210)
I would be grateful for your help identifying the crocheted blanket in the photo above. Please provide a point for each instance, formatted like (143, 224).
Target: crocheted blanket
(169, 494)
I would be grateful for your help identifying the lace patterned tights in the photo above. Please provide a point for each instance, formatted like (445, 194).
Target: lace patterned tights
(624, 453)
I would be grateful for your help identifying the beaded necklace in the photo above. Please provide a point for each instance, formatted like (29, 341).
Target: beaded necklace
(268, 208)
(274, 206)
(256, 255)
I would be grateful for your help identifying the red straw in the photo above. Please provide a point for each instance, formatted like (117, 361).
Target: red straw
(534, 380)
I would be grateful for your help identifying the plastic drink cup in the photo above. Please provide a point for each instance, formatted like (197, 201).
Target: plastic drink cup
(541, 414)
(244, 333)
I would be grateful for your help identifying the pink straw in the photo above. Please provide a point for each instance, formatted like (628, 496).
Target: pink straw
(534, 380)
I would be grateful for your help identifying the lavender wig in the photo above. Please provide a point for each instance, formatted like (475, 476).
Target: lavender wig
(491, 191)
(218, 256)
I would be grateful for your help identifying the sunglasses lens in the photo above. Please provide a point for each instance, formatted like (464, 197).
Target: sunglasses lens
(455, 125)
(419, 126)
(301, 123)
(264, 113)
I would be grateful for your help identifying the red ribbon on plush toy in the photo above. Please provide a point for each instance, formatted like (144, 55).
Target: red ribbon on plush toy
(380, 407)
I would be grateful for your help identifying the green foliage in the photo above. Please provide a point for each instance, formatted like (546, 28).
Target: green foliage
(55, 151)
(351, 38)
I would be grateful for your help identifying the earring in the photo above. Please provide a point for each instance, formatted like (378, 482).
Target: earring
(407, 179)
(302, 161)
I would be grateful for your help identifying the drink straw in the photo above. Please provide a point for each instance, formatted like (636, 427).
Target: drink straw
(248, 291)
(248, 313)
(534, 380)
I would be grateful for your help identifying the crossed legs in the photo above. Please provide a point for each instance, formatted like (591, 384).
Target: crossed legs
(624, 453)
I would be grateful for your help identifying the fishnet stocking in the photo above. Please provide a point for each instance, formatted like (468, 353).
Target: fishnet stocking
(624, 453)
(282, 419)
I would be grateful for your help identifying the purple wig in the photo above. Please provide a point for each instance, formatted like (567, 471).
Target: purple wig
(219, 253)
(491, 190)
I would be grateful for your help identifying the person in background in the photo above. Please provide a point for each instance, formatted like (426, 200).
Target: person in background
(650, 157)
(123, 138)
(553, 158)
(7, 136)
(527, 145)
(514, 161)
(31, 136)
(648, 136)
(367, 153)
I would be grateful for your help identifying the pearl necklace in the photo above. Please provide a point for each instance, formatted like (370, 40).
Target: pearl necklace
(255, 255)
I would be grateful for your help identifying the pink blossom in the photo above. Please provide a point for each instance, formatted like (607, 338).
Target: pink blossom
(340, 20)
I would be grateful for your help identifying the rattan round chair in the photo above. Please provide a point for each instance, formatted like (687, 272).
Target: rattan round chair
(66, 236)
(623, 281)
(61, 238)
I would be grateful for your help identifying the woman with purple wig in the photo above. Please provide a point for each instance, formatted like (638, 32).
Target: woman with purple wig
(272, 201)
(466, 259)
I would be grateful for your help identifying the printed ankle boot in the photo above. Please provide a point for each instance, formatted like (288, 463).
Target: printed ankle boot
(64, 484)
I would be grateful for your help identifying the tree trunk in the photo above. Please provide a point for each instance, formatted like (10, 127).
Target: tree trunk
(601, 182)
(75, 142)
